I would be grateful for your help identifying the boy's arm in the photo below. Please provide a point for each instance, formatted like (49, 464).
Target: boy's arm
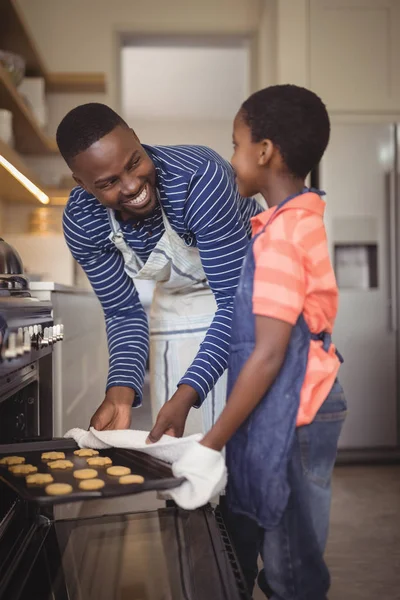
(255, 379)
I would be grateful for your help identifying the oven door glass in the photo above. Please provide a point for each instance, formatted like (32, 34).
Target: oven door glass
(162, 555)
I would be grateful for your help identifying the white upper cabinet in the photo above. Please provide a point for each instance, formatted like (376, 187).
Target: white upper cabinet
(355, 54)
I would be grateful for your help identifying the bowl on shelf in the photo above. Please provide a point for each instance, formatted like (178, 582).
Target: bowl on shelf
(14, 64)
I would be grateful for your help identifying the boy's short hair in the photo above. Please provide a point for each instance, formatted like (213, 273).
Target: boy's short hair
(83, 126)
(294, 119)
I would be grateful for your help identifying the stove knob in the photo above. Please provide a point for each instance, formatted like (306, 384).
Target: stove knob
(20, 342)
(11, 350)
(27, 340)
(51, 340)
(61, 331)
(45, 340)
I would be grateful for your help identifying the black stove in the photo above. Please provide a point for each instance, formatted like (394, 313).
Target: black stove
(27, 337)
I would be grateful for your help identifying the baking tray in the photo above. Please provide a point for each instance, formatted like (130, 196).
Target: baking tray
(157, 474)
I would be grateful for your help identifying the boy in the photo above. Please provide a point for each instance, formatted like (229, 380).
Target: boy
(285, 407)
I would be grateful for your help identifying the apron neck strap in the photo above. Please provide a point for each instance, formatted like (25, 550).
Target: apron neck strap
(115, 226)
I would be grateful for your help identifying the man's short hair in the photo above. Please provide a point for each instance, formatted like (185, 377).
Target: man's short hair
(83, 126)
(294, 119)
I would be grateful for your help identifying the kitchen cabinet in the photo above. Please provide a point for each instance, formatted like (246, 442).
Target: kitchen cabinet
(354, 51)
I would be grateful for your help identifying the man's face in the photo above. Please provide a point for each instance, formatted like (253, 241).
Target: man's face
(245, 159)
(117, 170)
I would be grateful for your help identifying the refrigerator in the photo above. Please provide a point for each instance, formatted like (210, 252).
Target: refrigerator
(360, 174)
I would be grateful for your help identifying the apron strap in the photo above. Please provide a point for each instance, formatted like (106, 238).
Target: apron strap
(326, 339)
(114, 225)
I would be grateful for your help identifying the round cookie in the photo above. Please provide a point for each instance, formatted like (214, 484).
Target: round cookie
(85, 474)
(99, 461)
(60, 464)
(22, 469)
(58, 489)
(85, 452)
(91, 484)
(39, 479)
(53, 455)
(12, 460)
(118, 471)
(127, 479)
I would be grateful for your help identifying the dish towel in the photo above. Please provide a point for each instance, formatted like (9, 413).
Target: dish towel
(204, 469)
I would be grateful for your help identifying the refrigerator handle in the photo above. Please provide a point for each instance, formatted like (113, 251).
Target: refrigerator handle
(391, 219)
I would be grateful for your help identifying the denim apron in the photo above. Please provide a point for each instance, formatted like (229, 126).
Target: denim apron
(257, 455)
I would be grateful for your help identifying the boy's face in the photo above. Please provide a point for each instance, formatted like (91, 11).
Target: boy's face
(246, 159)
(119, 173)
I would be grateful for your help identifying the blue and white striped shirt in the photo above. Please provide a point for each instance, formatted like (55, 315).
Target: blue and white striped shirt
(200, 198)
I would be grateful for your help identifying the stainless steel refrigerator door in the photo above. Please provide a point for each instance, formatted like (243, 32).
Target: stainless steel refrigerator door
(358, 174)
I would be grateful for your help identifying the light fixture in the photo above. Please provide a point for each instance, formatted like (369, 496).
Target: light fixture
(27, 183)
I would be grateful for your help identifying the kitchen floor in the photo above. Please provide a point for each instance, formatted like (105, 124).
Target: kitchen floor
(363, 552)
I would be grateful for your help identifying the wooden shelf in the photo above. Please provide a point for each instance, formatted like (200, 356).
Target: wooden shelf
(15, 37)
(10, 188)
(58, 197)
(29, 138)
(66, 83)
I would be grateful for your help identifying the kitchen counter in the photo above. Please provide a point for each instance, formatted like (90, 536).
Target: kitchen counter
(52, 286)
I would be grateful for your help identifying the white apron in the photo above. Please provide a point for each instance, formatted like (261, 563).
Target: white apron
(181, 312)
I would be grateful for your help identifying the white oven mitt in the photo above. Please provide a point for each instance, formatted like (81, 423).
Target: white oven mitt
(205, 473)
(168, 448)
(203, 469)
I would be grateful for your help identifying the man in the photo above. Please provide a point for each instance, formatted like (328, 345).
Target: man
(172, 215)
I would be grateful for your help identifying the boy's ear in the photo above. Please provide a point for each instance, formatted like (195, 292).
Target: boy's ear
(266, 151)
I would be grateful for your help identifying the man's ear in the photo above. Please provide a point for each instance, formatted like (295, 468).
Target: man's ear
(136, 137)
(80, 182)
(266, 152)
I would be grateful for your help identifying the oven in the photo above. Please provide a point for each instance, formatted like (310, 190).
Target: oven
(119, 543)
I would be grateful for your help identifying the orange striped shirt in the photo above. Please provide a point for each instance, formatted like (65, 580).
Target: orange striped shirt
(294, 275)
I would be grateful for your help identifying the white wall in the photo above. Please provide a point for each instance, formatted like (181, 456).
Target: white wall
(80, 35)
(184, 94)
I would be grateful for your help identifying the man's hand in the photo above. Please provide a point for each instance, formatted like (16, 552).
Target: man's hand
(115, 412)
(172, 417)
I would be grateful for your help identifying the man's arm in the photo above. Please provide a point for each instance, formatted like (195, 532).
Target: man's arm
(212, 214)
(126, 324)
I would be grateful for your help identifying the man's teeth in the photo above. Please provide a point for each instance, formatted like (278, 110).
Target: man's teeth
(139, 199)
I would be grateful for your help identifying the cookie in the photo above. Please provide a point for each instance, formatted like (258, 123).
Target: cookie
(12, 460)
(91, 484)
(126, 479)
(58, 489)
(99, 461)
(22, 469)
(86, 452)
(53, 455)
(60, 464)
(39, 479)
(85, 473)
(118, 471)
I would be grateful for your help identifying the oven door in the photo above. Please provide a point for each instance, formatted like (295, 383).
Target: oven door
(168, 554)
